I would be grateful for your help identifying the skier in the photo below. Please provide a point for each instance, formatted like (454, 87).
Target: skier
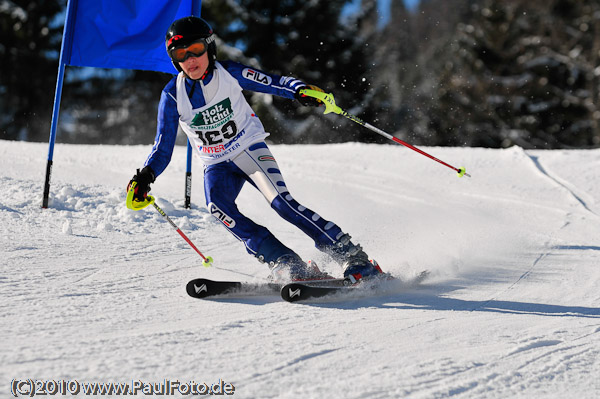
(205, 99)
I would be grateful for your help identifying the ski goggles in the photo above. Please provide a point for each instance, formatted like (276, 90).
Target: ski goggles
(195, 49)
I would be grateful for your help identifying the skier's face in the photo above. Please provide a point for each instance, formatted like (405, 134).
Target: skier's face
(194, 67)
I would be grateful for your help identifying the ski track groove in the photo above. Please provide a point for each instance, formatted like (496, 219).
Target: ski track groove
(559, 182)
(522, 277)
(478, 385)
(547, 245)
(291, 363)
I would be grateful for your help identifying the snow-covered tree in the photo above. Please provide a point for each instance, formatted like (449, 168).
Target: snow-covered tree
(519, 72)
(307, 39)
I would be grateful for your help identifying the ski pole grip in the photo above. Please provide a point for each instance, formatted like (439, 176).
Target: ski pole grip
(134, 204)
(327, 99)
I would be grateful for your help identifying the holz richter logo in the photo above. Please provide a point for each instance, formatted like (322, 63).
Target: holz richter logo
(215, 115)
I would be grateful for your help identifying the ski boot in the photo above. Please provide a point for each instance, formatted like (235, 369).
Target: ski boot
(355, 272)
(355, 261)
(291, 268)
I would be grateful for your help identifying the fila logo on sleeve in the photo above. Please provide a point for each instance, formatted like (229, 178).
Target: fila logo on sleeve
(256, 76)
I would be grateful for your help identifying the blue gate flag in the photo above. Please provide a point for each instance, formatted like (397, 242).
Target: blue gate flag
(127, 34)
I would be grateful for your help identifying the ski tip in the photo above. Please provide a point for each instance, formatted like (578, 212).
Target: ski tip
(196, 288)
(295, 292)
(202, 287)
(292, 292)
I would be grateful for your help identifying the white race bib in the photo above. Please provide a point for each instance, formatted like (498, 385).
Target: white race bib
(226, 125)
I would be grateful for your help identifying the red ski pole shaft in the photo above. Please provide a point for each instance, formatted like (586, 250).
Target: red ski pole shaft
(461, 171)
(206, 260)
(330, 106)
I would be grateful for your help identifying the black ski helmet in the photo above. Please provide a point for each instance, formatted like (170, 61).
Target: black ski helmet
(186, 30)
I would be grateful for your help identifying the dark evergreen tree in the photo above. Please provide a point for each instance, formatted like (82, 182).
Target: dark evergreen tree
(305, 39)
(29, 44)
(519, 72)
(391, 53)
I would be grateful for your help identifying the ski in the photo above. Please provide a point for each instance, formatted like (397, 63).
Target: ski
(291, 292)
(294, 292)
(203, 288)
(299, 291)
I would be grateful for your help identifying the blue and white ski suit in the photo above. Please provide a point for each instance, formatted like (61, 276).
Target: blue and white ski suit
(230, 140)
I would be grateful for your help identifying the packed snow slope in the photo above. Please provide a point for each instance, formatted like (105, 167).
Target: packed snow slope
(93, 292)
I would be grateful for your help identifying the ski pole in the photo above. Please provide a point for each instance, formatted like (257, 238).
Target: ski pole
(206, 261)
(330, 106)
(137, 205)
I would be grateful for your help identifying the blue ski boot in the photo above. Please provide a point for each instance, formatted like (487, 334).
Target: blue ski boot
(354, 260)
(361, 270)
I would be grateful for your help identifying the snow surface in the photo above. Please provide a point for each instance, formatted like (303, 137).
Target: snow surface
(91, 291)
